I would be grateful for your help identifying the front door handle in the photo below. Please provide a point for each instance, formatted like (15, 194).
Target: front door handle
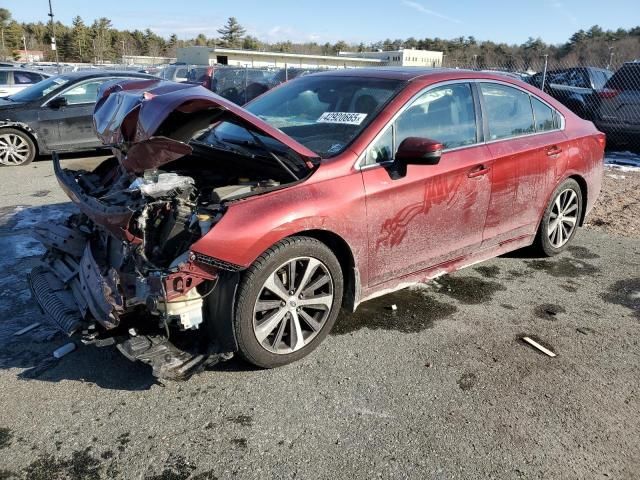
(478, 171)
(554, 151)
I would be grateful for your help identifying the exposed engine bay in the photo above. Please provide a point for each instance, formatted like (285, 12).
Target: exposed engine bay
(121, 271)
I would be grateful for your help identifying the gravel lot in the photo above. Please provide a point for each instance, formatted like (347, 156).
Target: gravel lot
(440, 388)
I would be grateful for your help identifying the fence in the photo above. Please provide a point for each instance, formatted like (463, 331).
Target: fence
(605, 91)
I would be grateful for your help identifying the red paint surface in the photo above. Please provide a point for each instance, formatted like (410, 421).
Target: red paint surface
(436, 218)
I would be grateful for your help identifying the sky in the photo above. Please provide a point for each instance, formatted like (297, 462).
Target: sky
(353, 21)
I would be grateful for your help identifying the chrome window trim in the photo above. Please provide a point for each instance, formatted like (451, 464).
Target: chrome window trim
(358, 165)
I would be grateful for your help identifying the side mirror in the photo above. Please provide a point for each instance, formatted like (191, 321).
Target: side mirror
(57, 102)
(419, 151)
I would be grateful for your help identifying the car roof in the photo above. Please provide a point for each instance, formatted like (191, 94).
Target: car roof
(20, 69)
(417, 74)
(81, 74)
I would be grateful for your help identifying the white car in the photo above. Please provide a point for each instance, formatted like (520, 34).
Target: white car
(14, 79)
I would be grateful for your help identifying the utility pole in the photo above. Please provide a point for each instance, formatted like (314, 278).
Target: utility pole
(610, 57)
(53, 36)
(26, 55)
(544, 73)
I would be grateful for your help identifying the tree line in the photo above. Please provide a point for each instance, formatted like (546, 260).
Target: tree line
(100, 42)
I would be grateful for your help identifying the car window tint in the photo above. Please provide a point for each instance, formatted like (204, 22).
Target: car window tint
(25, 78)
(544, 115)
(4, 77)
(84, 92)
(508, 111)
(445, 114)
(382, 149)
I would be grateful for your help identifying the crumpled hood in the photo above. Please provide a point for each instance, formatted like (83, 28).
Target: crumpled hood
(133, 117)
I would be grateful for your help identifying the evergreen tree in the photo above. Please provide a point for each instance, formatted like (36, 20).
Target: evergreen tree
(231, 34)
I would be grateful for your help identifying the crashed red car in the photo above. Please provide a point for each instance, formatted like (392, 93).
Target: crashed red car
(216, 229)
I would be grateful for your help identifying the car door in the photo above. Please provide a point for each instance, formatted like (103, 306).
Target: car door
(5, 86)
(528, 157)
(73, 119)
(433, 213)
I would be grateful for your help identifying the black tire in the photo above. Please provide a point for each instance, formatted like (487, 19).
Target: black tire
(251, 287)
(14, 134)
(543, 244)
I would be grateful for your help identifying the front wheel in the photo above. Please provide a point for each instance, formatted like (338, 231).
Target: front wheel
(16, 147)
(288, 302)
(560, 220)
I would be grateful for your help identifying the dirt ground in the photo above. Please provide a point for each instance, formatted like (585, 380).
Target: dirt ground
(617, 211)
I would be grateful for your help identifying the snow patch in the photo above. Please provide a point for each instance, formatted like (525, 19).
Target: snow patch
(623, 161)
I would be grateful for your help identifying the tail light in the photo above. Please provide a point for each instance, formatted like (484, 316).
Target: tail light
(608, 93)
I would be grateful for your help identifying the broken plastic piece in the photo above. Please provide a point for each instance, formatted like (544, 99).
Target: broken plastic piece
(535, 344)
(65, 349)
(26, 329)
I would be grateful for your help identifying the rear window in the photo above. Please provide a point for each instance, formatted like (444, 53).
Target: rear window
(627, 78)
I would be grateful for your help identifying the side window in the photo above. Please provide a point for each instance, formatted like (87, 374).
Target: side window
(84, 93)
(546, 117)
(4, 77)
(25, 78)
(445, 114)
(508, 111)
(382, 149)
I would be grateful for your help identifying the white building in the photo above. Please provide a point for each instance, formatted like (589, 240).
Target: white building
(252, 58)
(403, 57)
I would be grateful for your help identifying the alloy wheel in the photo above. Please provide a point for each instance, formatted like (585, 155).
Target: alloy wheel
(563, 218)
(293, 305)
(14, 150)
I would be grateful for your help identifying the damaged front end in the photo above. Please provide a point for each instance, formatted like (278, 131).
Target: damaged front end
(121, 271)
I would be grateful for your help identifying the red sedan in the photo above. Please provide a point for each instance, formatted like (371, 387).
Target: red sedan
(218, 229)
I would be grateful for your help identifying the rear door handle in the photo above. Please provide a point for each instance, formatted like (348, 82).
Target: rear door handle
(554, 151)
(478, 171)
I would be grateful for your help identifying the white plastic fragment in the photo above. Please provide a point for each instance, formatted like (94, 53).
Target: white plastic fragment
(535, 344)
(26, 329)
(63, 350)
(394, 307)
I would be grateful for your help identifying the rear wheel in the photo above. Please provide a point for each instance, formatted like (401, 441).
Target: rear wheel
(16, 147)
(560, 220)
(287, 302)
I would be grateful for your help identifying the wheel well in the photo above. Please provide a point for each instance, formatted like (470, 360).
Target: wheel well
(583, 189)
(26, 132)
(344, 255)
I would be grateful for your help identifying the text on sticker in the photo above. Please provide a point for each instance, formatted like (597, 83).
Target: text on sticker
(342, 117)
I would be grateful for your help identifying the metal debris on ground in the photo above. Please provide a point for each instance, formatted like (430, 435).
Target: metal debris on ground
(535, 344)
(26, 329)
(64, 349)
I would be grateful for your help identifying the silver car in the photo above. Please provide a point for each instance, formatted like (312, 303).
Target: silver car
(618, 113)
(14, 79)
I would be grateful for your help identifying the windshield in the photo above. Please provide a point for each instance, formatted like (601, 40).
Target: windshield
(322, 113)
(39, 90)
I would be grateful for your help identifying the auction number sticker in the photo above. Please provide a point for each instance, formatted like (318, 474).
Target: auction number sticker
(346, 118)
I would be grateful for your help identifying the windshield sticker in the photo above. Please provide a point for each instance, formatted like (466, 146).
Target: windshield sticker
(346, 118)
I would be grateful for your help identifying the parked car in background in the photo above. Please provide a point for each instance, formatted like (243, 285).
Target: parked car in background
(577, 88)
(241, 84)
(226, 229)
(53, 114)
(175, 72)
(618, 113)
(14, 79)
